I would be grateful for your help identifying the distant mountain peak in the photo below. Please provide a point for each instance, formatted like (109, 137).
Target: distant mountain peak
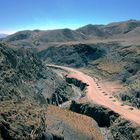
(2, 35)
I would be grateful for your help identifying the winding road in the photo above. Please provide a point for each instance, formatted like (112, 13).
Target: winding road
(99, 96)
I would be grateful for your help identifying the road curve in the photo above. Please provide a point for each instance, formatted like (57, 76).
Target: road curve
(97, 95)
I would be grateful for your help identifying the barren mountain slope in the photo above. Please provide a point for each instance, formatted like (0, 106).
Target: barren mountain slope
(39, 39)
(26, 88)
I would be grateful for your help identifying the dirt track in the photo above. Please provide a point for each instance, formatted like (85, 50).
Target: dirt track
(98, 95)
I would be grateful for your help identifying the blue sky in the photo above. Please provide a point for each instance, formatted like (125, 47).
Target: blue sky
(52, 14)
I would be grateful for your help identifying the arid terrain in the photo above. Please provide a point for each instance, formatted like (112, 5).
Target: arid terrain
(81, 84)
(98, 95)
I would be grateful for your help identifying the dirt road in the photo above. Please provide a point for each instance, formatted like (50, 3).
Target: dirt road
(98, 95)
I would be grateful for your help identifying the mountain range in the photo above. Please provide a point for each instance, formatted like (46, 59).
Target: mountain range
(128, 31)
(116, 29)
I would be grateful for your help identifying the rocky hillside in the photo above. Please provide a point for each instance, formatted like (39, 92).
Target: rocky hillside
(19, 71)
(24, 69)
(120, 28)
(21, 105)
(112, 29)
(93, 31)
(38, 38)
(26, 88)
(77, 55)
(19, 68)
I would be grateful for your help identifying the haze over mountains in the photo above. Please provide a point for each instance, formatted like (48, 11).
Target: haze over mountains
(3, 35)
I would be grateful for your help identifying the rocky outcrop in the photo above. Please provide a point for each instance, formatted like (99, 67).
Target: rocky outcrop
(62, 93)
(76, 82)
(117, 127)
(103, 116)
(71, 125)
